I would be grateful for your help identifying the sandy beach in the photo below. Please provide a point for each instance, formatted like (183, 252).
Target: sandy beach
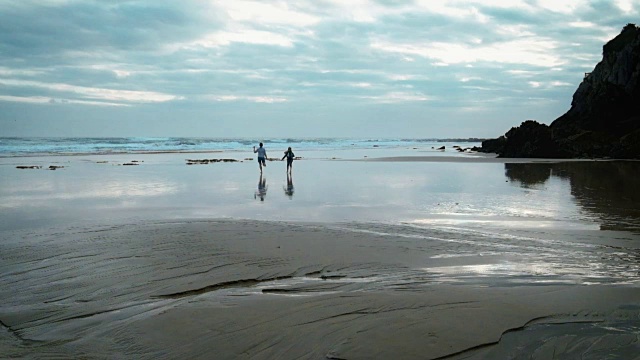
(366, 259)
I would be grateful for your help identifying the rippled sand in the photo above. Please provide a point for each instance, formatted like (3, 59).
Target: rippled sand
(264, 290)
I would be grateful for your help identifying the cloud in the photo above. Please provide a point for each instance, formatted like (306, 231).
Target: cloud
(256, 37)
(565, 6)
(398, 97)
(550, 84)
(627, 6)
(279, 13)
(536, 52)
(46, 100)
(141, 61)
(94, 93)
(256, 99)
(9, 72)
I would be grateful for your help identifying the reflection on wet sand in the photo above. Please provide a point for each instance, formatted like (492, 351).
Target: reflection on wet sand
(610, 190)
(289, 190)
(262, 188)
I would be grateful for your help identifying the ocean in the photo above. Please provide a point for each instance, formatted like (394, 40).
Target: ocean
(22, 146)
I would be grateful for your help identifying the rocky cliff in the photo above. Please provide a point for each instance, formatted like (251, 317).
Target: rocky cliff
(604, 118)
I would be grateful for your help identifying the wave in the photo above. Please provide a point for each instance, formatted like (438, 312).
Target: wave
(20, 146)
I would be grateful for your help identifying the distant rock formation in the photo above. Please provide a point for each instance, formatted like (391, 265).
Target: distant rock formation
(604, 118)
(51, 167)
(208, 161)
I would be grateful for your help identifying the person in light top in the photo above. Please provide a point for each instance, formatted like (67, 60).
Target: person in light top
(262, 156)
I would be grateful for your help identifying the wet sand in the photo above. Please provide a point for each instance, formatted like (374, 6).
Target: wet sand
(367, 259)
(262, 290)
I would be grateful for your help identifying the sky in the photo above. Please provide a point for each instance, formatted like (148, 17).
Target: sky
(307, 68)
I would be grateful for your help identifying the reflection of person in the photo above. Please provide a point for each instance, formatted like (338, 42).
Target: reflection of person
(262, 156)
(288, 190)
(262, 188)
(289, 155)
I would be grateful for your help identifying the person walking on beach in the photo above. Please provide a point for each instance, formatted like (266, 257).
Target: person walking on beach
(262, 156)
(290, 156)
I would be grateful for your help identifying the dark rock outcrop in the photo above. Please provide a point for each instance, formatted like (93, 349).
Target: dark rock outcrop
(208, 161)
(51, 167)
(530, 139)
(604, 118)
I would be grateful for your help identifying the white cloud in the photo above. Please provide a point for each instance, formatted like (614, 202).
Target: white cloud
(360, 85)
(333, 83)
(467, 10)
(564, 6)
(95, 93)
(523, 73)
(582, 24)
(247, 36)
(122, 73)
(468, 78)
(278, 13)
(26, 99)
(447, 8)
(481, 88)
(5, 71)
(514, 31)
(397, 97)
(361, 11)
(114, 68)
(345, 71)
(626, 5)
(548, 84)
(256, 99)
(47, 100)
(529, 51)
(560, 83)
(402, 77)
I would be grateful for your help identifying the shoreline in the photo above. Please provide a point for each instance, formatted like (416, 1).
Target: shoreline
(483, 159)
(113, 153)
(458, 158)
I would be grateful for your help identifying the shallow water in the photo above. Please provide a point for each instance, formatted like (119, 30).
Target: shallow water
(577, 195)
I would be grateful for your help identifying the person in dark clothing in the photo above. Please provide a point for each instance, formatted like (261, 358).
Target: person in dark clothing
(290, 156)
